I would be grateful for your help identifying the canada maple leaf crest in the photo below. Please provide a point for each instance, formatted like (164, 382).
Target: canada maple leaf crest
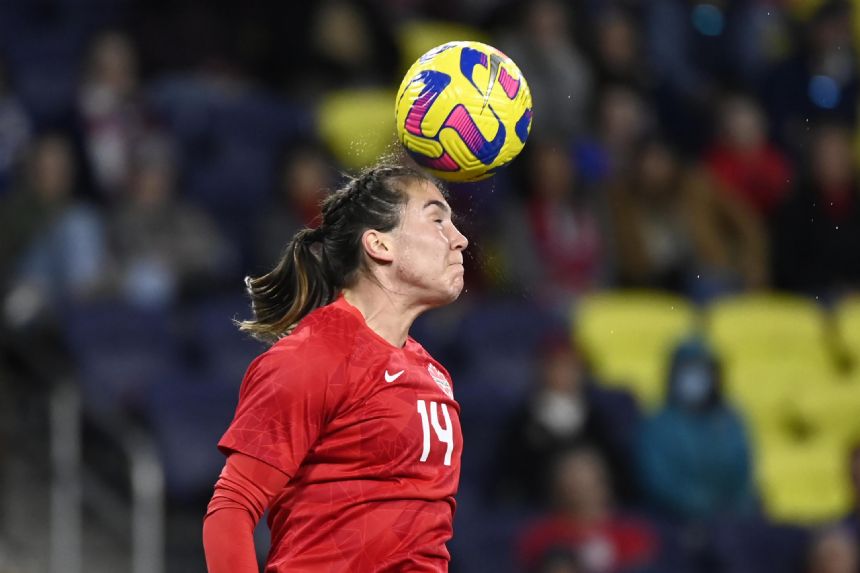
(440, 380)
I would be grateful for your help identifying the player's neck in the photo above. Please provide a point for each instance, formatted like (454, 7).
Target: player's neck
(384, 312)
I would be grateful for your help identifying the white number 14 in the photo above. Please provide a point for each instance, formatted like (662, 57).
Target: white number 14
(445, 435)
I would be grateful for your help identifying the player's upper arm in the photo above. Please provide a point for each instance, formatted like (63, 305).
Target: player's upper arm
(283, 406)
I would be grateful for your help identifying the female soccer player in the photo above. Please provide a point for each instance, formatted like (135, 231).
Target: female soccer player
(346, 428)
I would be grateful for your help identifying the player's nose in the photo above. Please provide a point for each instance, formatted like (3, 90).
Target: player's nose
(459, 242)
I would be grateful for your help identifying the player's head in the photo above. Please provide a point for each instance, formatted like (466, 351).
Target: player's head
(421, 259)
(390, 225)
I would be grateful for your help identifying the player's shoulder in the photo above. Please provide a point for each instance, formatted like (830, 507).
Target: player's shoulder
(325, 335)
(422, 355)
(315, 351)
(417, 349)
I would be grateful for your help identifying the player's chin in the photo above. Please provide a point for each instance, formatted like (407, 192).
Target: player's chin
(456, 288)
(450, 292)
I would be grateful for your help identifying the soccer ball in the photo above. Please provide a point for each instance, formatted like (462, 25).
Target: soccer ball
(463, 111)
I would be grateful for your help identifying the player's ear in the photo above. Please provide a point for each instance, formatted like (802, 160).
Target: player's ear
(378, 245)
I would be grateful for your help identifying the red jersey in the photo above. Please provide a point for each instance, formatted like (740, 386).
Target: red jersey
(370, 435)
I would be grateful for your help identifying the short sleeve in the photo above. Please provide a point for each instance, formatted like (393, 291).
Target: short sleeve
(281, 410)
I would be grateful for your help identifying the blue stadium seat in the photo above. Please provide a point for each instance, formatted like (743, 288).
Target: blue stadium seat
(436, 331)
(232, 176)
(44, 61)
(485, 540)
(505, 328)
(184, 107)
(753, 544)
(119, 350)
(261, 120)
(195, 112)
(189, 412)
(217, 342)
(487, 403)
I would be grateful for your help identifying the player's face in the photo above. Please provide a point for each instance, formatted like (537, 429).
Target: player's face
(429, 247)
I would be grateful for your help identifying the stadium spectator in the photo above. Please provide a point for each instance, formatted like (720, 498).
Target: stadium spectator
(833, 550)
(673, 231)
(584, 520)
(349, 45)
(742, 160)
(623, 118)
(552, 243)
(307, 174)
(165, 247)
(52, 245)
(566, 409)
(111, 110)
(694, 51)
(618, 50)
(651, 230)
(694, 455)
(818, 79)
(559, 76)
(817, 232)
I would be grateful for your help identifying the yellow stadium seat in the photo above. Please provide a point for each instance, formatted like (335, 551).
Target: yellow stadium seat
(762, 392)
(832, 410)
(761, 327)
(630, 335)
(357, 125)
(419, 36)
(804, 481)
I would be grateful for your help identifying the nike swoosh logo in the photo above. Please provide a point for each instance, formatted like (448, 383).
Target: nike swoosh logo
(495, 61)
(392, 377)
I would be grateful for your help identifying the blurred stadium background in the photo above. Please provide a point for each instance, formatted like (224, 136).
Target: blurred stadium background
(688, 197)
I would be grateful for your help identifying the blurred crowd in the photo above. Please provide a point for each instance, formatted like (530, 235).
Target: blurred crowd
(152, 154)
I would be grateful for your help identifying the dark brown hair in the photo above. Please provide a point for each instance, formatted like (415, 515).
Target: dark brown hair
(318, 263)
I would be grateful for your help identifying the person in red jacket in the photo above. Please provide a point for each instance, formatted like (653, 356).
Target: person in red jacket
(346, 429)
(747, 166)
(585, 522)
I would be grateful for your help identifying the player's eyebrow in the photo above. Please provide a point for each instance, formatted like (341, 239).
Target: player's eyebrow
(437, 203)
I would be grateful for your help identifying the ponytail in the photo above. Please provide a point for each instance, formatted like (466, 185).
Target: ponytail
(318, 263)
(283, 296)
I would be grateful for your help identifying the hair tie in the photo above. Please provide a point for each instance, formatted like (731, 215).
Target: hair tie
(315, 235)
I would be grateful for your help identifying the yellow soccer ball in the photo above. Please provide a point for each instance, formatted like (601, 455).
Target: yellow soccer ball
(463, 111)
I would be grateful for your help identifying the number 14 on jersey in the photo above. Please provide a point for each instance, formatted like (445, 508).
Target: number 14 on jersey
(444, 434)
